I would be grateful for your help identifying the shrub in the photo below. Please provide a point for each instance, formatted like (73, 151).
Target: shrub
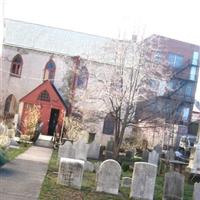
(3, 157)
(125, 166)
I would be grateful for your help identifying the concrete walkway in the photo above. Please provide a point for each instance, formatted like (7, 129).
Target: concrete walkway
(21, 179)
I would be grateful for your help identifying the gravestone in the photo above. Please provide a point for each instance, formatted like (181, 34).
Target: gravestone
(153, 157)
(173, 186)
(66, 151)
(143, 181)
(88, 166)
(196, 192)
(158, 148)
(109, 146)
(81, 150)
(145, 155)
(108, 155)
(94, 150)
(71, 172)
(108, 177)
(126, 182)
(96, 166)
(170, 155)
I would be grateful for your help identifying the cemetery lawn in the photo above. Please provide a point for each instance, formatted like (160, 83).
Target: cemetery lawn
(51, 190)
(12, 153)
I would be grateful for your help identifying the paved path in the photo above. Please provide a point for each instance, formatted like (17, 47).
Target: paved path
(21, 179)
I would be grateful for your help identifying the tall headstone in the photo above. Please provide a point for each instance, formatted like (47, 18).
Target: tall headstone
(158, 148)
(109, 149)
(71, 172)
(94, 150)
(196, 192)
(145, 155)
(173, 186)
(108, 177)
(153, 157)
(143, 181)
(81, 150)
(66, 151)
(170, 155)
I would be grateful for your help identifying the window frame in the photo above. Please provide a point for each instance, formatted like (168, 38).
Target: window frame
(50, 72)
(17, 66)
(44, 96)
(174, 65)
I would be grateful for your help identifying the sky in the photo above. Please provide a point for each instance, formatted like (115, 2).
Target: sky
(178, 19)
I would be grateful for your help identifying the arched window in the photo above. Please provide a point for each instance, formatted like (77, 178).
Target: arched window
(10, 105)
(49, 71)
(82, 78)
(109, 124)
(16, 66)
(44, 96)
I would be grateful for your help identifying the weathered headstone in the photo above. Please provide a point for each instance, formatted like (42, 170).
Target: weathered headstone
(173, 186)
(145, 155)
(170, 155)
(66, 151)
(96, 166)
(143, 181)
(158, 148)
(108, 155)
(71, 172)
(109, 146)
(108, 177)
(153, 157)
(126, 182)
(196, 192)
(94, 150)
(81, 150)
(88, 166)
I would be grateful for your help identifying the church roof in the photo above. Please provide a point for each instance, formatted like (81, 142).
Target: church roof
(56, 40)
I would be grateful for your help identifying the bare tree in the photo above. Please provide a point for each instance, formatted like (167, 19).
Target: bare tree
(132, 82)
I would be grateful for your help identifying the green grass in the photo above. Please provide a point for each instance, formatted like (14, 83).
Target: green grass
(51, 190)
(11, 153)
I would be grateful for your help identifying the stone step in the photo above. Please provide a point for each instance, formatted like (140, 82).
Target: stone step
(44, 141)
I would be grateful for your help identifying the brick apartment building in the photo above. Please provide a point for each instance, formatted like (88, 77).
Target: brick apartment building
(174, 99)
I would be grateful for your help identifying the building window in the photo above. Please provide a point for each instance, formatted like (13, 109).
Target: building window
(193, 73)
(189, 90)
(109, 124)
(16, 66)
(185, 114)
(175, 60)
(49, 71)
(44, 96)
(195, 58)
(82, 78)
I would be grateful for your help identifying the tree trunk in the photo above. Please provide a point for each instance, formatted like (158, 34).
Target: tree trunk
(117, 143)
